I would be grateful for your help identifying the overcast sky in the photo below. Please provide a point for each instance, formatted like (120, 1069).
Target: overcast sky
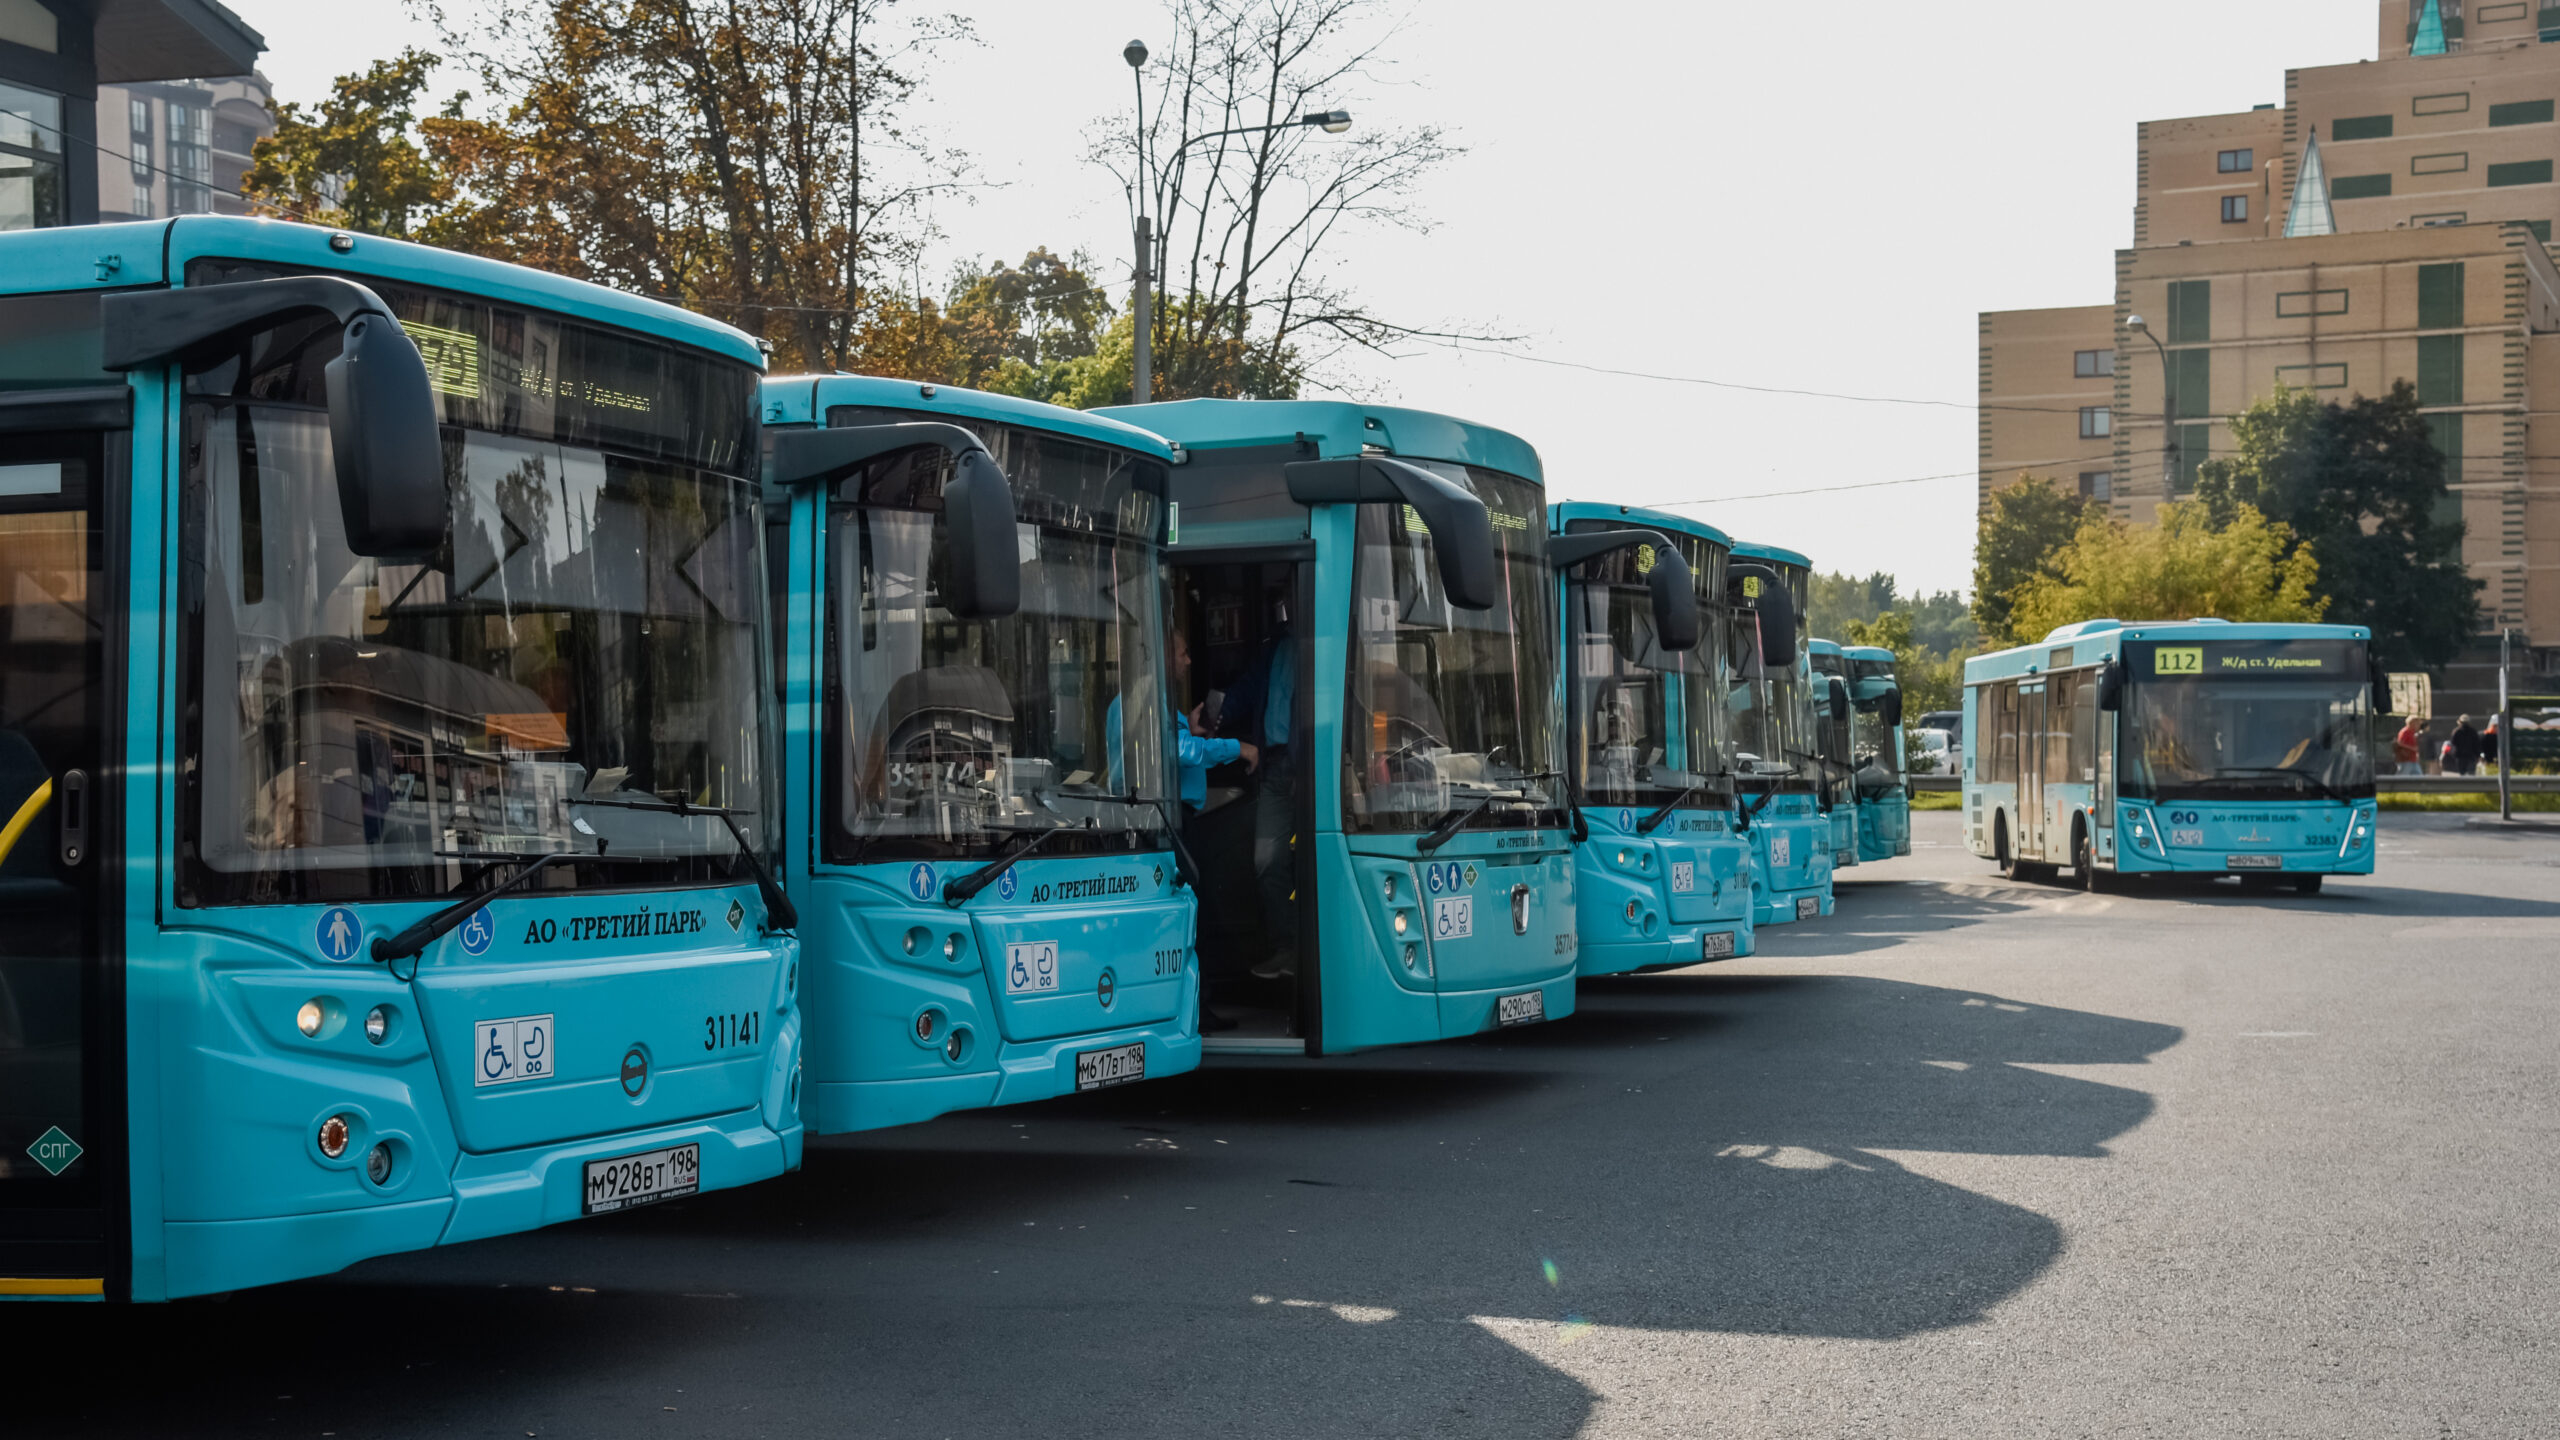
(1698, 189)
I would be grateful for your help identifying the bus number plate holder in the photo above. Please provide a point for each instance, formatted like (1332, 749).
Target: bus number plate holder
(1809, 908)
(1112, 1065)
(2254, 862)
(1716, 945)
(1526, 1008)
(628, 1181)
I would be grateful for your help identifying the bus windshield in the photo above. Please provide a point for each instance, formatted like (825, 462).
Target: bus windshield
(2247, 720)
(1877, 763)
(362, 728)
(1445, 706)
(1653, 728)
(1772, 708)
(952, 737)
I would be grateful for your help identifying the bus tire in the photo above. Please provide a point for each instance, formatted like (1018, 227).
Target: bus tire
(2306, 884)
(2000, 855)
(2084, 864)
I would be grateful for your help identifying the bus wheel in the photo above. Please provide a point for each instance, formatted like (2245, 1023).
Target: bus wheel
(2084, 866)
(2306, 884)
(2000, 855)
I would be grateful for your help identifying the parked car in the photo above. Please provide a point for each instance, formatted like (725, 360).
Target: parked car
(1934, 752)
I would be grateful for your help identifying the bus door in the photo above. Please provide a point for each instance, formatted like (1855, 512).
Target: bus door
(1246, 620)
(2031, 754)
(60, 1088)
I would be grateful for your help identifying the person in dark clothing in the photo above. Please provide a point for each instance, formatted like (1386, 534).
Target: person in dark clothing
(2463, 749)
(1265, 700)
(2489, 742)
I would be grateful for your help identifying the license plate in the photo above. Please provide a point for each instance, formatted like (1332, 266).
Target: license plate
(1809, 908)
(2254, 862)
(1526, 1008)
(1719, 945)
(1117, 1065)
(644, 1179)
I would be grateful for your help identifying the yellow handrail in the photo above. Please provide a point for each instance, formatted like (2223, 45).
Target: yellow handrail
(25, 817)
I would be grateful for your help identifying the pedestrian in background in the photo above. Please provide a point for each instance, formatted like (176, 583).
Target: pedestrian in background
(2489, 742)
(2462, 751)
(2404, 747)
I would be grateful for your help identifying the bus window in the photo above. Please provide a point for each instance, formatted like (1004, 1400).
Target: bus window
(2084, 728)
(2059, 767)
(2002, 700)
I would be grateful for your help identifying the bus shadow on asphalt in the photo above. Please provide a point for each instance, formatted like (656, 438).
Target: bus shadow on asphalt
(1883, 914)
(2351, 895)
(1374, 1249)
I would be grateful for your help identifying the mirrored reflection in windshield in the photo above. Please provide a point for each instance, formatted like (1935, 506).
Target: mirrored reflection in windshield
(359, 728)
(1446, 706)
(1877, 762)
(1653, 721)
(957, 735)
(1771, 706)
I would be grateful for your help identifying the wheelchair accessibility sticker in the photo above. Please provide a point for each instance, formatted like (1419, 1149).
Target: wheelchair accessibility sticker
(1031, 967)
(477, 932)
(339, 932)
(1006, 885)
(505, 1052)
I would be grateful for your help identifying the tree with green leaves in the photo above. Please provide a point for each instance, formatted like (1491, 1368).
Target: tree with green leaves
(2024, 527)
(354, 161)
(2248, 569)
(2363, 485)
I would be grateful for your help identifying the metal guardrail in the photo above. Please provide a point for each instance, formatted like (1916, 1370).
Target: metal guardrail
(2388, 784)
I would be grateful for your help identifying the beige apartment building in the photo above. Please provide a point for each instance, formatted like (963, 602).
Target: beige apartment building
(2420, 256)
(178, 147)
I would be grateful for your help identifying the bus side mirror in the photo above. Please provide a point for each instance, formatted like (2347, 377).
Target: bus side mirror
(382, 433)
(2381, 693)
(2111, 686)
(1673, 588)
(382, 412)
(1461, 529)
(977, 505)
(986, 561)
(1775, 606)
(1838, 693)
(1892, 709)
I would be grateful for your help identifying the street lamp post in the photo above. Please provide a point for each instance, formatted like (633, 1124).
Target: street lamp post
(2168, 432)
(1142, 317)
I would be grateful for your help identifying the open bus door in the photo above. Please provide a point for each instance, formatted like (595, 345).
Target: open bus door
(61, 1096)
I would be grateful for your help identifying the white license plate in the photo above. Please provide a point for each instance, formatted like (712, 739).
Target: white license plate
(1809, 908)
(1117, 1065)
(1526, 1008)
(1718, 946)
(2254, 862)
(644, 1179)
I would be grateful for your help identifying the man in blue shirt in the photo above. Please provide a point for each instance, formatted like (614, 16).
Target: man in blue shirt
(1193, 751)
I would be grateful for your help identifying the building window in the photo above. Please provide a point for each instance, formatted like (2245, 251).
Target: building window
(2440, 296)
(2235, 208)
(2439, 369)
(2520, 172)
(2097, 485)
(2541, 230)
(2088, 363)
(138, 116)
(2190, 377)
(2195, 446)
(2450, 162)
(141, 202)
(30, 158)
(2442, 217)
(2094, 422)
(2362, 187)
(2453, 103)
(2521, 112)
(2297, 304)
(2235, 162)
(140, 155)
(2190, 312)
(2361, 127)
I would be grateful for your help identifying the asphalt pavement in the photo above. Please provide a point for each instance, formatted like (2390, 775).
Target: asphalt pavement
(1970, 1158)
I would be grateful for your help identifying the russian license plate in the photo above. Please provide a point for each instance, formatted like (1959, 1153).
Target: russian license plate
(2254, 862)
(1809, 908)
(644, 1179)
(1526, 1008)
(1116, 1065)
(1718, 946)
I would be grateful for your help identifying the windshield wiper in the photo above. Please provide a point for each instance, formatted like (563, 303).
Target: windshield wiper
(1182, 862)
(2323, 786)
(960, 892)
(1455, 821)
(1647, 825)
(390, 949)
(778, 908)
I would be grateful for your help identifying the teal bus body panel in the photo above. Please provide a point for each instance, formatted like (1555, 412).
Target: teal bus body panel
(1367, 998)
(1884, 825)
(2304, 833)
(871, 1066)
(1126, 914)
(1779, 890)
(225, 1186)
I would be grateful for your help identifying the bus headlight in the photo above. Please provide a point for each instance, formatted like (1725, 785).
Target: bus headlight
(1389, 888)
(377, 1023)
(1401, 921)
(377, 1164)
(2359, 833)
(333, 1136)
(2145, 835)
(308, 1018)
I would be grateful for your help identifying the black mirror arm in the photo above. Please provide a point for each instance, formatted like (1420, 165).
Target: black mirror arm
(140, 328)
(801, 456)
(1460, 526)
(1564, 551)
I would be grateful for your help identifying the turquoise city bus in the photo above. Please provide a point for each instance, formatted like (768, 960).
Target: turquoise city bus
(1877, 761)
(1831, 727)
(1663, 869)
(982, 824)
(385, 854)
(1366, 594)
(1778, 769)
(2184, 747)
